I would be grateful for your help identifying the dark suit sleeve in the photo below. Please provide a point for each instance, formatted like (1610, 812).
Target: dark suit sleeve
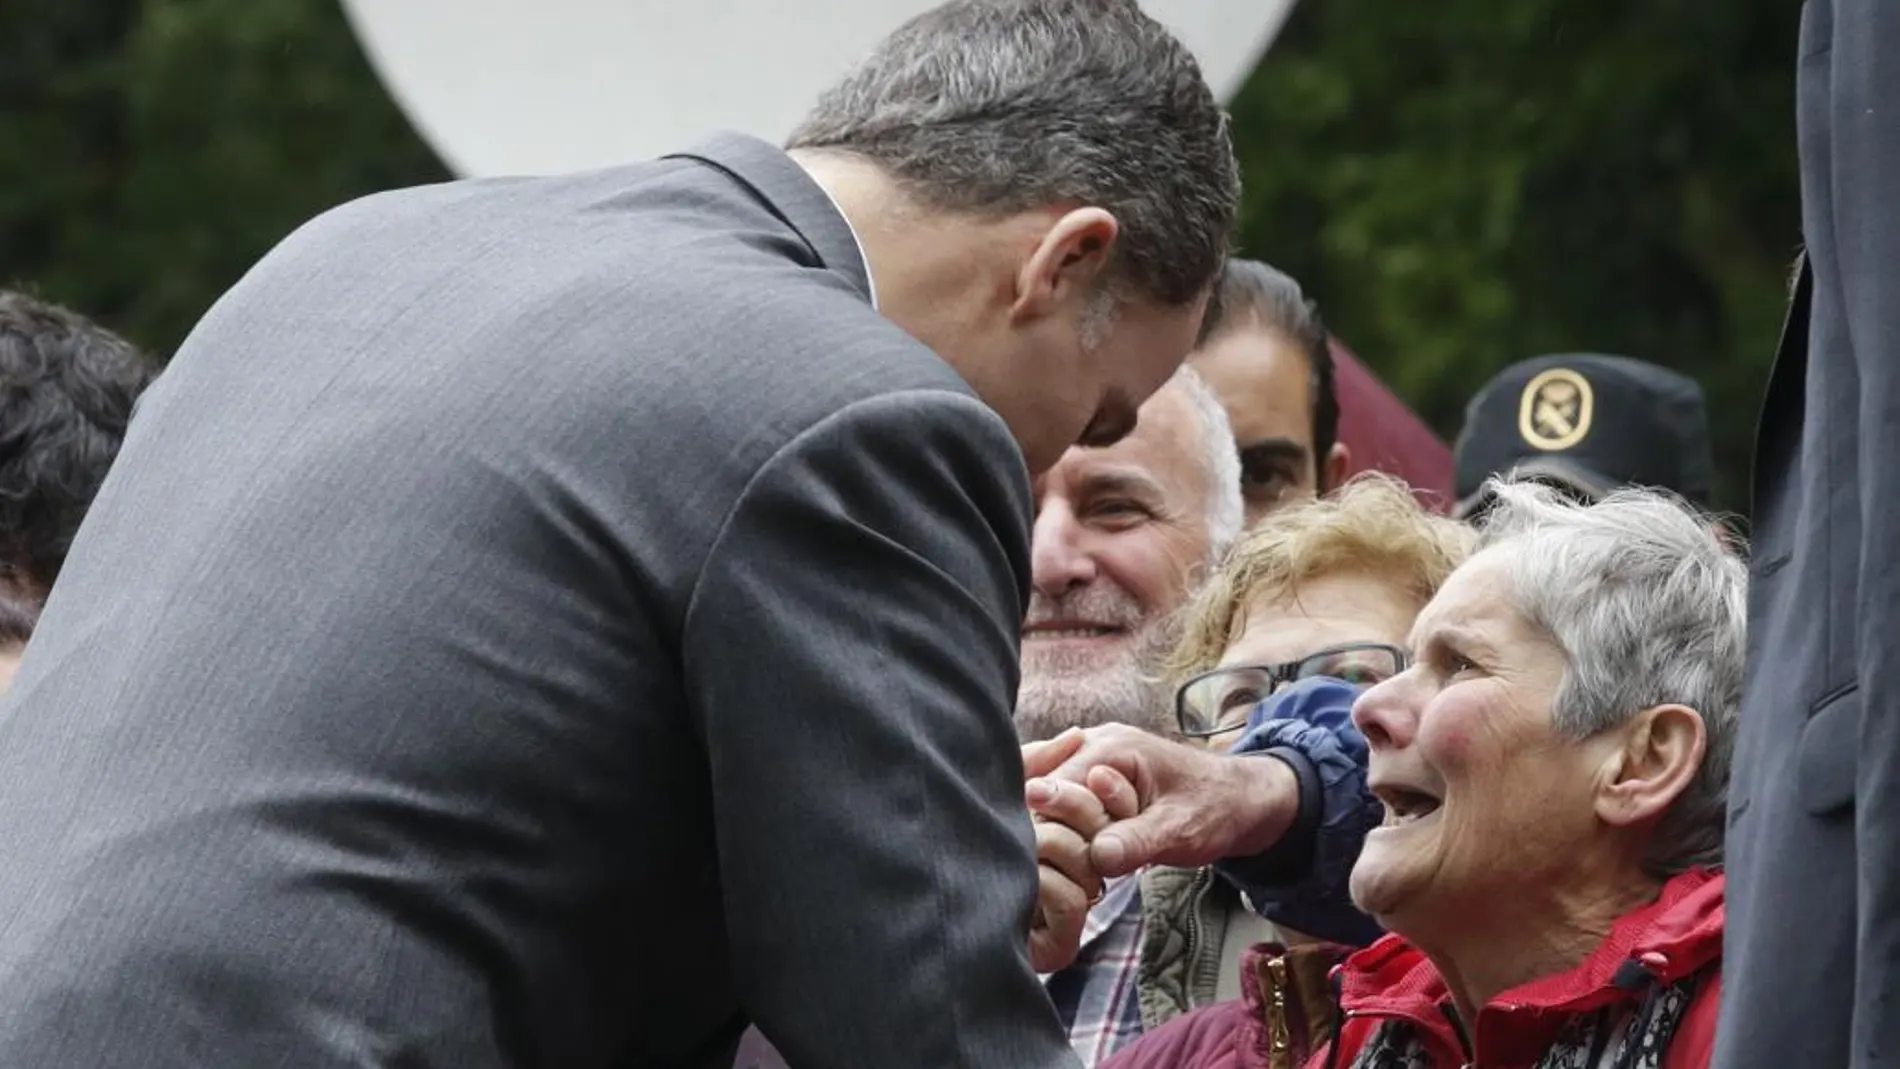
(851, 658)
(1864, 174)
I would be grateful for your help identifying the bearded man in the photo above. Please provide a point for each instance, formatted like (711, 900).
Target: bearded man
(1121, 535)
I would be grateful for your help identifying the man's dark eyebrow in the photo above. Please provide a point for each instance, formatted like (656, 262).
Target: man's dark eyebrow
(1273, 450)
(1132, 484)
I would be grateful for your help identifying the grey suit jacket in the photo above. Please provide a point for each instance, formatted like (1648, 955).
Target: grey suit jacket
(535, 622)
(1811, 970)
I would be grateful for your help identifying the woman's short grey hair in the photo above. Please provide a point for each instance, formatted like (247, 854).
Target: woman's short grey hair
(1649, 607)
(1225, 509)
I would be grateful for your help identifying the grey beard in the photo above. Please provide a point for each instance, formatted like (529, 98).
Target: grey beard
(1059, 695)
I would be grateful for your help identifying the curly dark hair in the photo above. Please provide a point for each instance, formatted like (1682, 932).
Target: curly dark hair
(67, 387)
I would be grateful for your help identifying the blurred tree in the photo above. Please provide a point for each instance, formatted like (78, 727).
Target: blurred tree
(1461, 183)
(1466, 183)
(151, 151)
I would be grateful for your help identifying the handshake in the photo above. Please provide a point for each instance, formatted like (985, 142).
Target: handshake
(1107, 801)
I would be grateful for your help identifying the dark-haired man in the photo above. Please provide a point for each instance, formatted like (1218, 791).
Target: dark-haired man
(1270, 362)
(1307, 415)
(558, 621)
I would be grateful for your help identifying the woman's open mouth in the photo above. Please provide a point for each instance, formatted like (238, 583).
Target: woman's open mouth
(1404, 806)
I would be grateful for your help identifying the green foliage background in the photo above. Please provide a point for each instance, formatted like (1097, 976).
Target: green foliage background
(1460, 183)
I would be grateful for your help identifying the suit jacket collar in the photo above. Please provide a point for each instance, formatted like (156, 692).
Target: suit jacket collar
(784, 187)
(1785, 401)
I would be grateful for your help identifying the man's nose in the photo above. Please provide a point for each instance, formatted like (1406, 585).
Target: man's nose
(1059, 557)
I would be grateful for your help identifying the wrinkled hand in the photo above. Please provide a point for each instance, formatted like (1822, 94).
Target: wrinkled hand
(1185, 805)
(1066, 817)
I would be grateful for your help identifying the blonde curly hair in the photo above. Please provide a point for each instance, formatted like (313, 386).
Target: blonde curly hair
(1370, 525)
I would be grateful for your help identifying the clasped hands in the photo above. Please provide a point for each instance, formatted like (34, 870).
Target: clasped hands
(1107, 801)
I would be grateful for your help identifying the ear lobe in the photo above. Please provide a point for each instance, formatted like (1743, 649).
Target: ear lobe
(1066, 264)
(1662, 749)
(1334, 470)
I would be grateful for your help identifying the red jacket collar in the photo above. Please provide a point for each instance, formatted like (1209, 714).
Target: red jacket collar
(1671, 938)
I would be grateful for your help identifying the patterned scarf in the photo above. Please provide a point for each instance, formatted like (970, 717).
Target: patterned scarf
(1640, 1039)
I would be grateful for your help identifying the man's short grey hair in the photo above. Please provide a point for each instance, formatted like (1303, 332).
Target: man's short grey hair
(1225, 510)
(1649, 607)
(1001, 106)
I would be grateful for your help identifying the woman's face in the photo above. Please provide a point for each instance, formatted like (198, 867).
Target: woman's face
(1328, 612)
(1481, 792)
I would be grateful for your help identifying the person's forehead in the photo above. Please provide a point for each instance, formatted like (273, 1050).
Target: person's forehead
(1327, 611)
(1161, 450)
(1290, 639)
(1471, 602)
(1263, 382)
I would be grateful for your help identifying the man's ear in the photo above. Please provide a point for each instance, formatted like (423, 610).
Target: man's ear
(1662, 748)
(1333, 470)
(1065, 265)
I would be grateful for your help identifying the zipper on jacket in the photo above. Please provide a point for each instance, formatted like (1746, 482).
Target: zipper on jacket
(1337, 986)
(1279, 1028)
(1458, 1028)
(1203, 973)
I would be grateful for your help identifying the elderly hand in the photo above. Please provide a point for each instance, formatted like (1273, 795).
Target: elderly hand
(1186, 806)
(1066, 816)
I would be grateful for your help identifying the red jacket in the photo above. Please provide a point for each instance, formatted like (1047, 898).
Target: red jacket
(1678, 935)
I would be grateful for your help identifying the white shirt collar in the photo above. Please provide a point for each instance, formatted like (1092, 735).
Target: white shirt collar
(869, 279)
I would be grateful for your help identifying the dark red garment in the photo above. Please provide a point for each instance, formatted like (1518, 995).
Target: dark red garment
(1678, 935)
(1384, 435)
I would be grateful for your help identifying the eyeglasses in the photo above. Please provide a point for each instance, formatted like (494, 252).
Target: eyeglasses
(1205, 706)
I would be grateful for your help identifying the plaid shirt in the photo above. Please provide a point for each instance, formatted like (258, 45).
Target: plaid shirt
(1097, 996)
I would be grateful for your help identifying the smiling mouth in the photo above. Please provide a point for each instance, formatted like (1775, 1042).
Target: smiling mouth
(1404, 806)
(1067, 630)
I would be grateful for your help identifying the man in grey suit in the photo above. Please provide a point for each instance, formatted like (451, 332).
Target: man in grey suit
(554, 622)
(1811, 971)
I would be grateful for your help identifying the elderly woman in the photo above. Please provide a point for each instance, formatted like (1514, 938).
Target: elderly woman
(1552, 767)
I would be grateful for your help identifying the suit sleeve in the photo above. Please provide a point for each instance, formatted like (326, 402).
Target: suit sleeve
(1865, 166)
(851, 653)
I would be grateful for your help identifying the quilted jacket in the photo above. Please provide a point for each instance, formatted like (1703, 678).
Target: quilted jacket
(1286, 1017)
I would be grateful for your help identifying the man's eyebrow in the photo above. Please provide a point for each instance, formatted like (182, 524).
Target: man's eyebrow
(1285, 450)
(1132, 483)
